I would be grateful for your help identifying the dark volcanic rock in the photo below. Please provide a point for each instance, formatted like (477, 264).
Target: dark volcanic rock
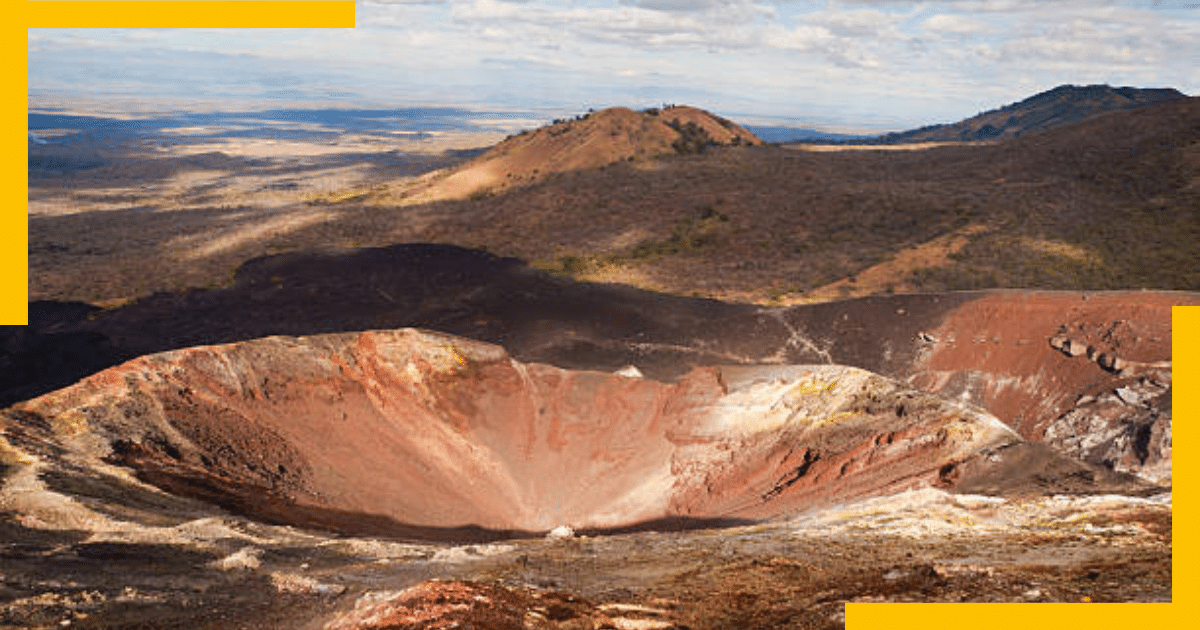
(455, 290)
(51, 351)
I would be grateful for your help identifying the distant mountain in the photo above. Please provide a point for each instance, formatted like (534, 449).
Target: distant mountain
(1063, 104)
(798, 134)
(588, 141)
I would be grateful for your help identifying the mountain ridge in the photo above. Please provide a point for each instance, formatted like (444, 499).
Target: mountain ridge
(1044, 110)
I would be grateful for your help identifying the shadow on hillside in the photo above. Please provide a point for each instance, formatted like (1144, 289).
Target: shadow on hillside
(470, 293)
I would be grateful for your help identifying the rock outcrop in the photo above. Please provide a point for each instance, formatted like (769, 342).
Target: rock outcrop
(1127, 429)
(1087, 374)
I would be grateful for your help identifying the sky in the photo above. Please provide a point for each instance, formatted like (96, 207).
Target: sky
(845, 65)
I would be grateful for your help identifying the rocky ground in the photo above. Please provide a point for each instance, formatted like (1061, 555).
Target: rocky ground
(219, 571)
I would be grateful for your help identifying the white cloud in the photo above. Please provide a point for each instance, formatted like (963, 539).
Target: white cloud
(801, 38)
(863, 23)
(1135, 41)
(953, 24)
(983, 5)
(720, 24)
(701, 6)
(938, 58)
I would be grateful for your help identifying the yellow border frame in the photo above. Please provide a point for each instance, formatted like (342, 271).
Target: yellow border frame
(191, 14)
(340, 14)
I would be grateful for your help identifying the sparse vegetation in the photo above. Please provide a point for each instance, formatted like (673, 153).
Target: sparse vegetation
(1092, 206)
(706, 227)
(692, 138)
(690, 234)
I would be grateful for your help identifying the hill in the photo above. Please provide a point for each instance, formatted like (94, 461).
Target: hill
(1105, 203)
(1061, 105)
(589, 141)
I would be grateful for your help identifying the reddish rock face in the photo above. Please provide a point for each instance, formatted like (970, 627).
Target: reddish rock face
(377, 431)
(1089, 374)
(1006, 339)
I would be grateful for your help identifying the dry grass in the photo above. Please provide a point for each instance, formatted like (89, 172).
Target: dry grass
(895, 275)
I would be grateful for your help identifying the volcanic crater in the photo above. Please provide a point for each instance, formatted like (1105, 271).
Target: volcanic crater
(410, 432)
(750, 414)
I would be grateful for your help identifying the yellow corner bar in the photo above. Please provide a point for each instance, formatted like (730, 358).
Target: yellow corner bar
(1013, 616)
(191, 14)
(14, 164)
(1185, 392)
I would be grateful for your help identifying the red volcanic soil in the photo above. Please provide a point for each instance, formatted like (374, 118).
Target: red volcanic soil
(998, 350)
(414, 433)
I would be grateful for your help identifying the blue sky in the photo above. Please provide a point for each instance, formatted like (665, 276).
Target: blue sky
(847, 64)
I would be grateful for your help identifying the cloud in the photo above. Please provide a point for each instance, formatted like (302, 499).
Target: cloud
(975, 5)
(1137, 40)
(952, 24)
(720, 24)
(864, 23)
(938, 59)
(694, 6)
